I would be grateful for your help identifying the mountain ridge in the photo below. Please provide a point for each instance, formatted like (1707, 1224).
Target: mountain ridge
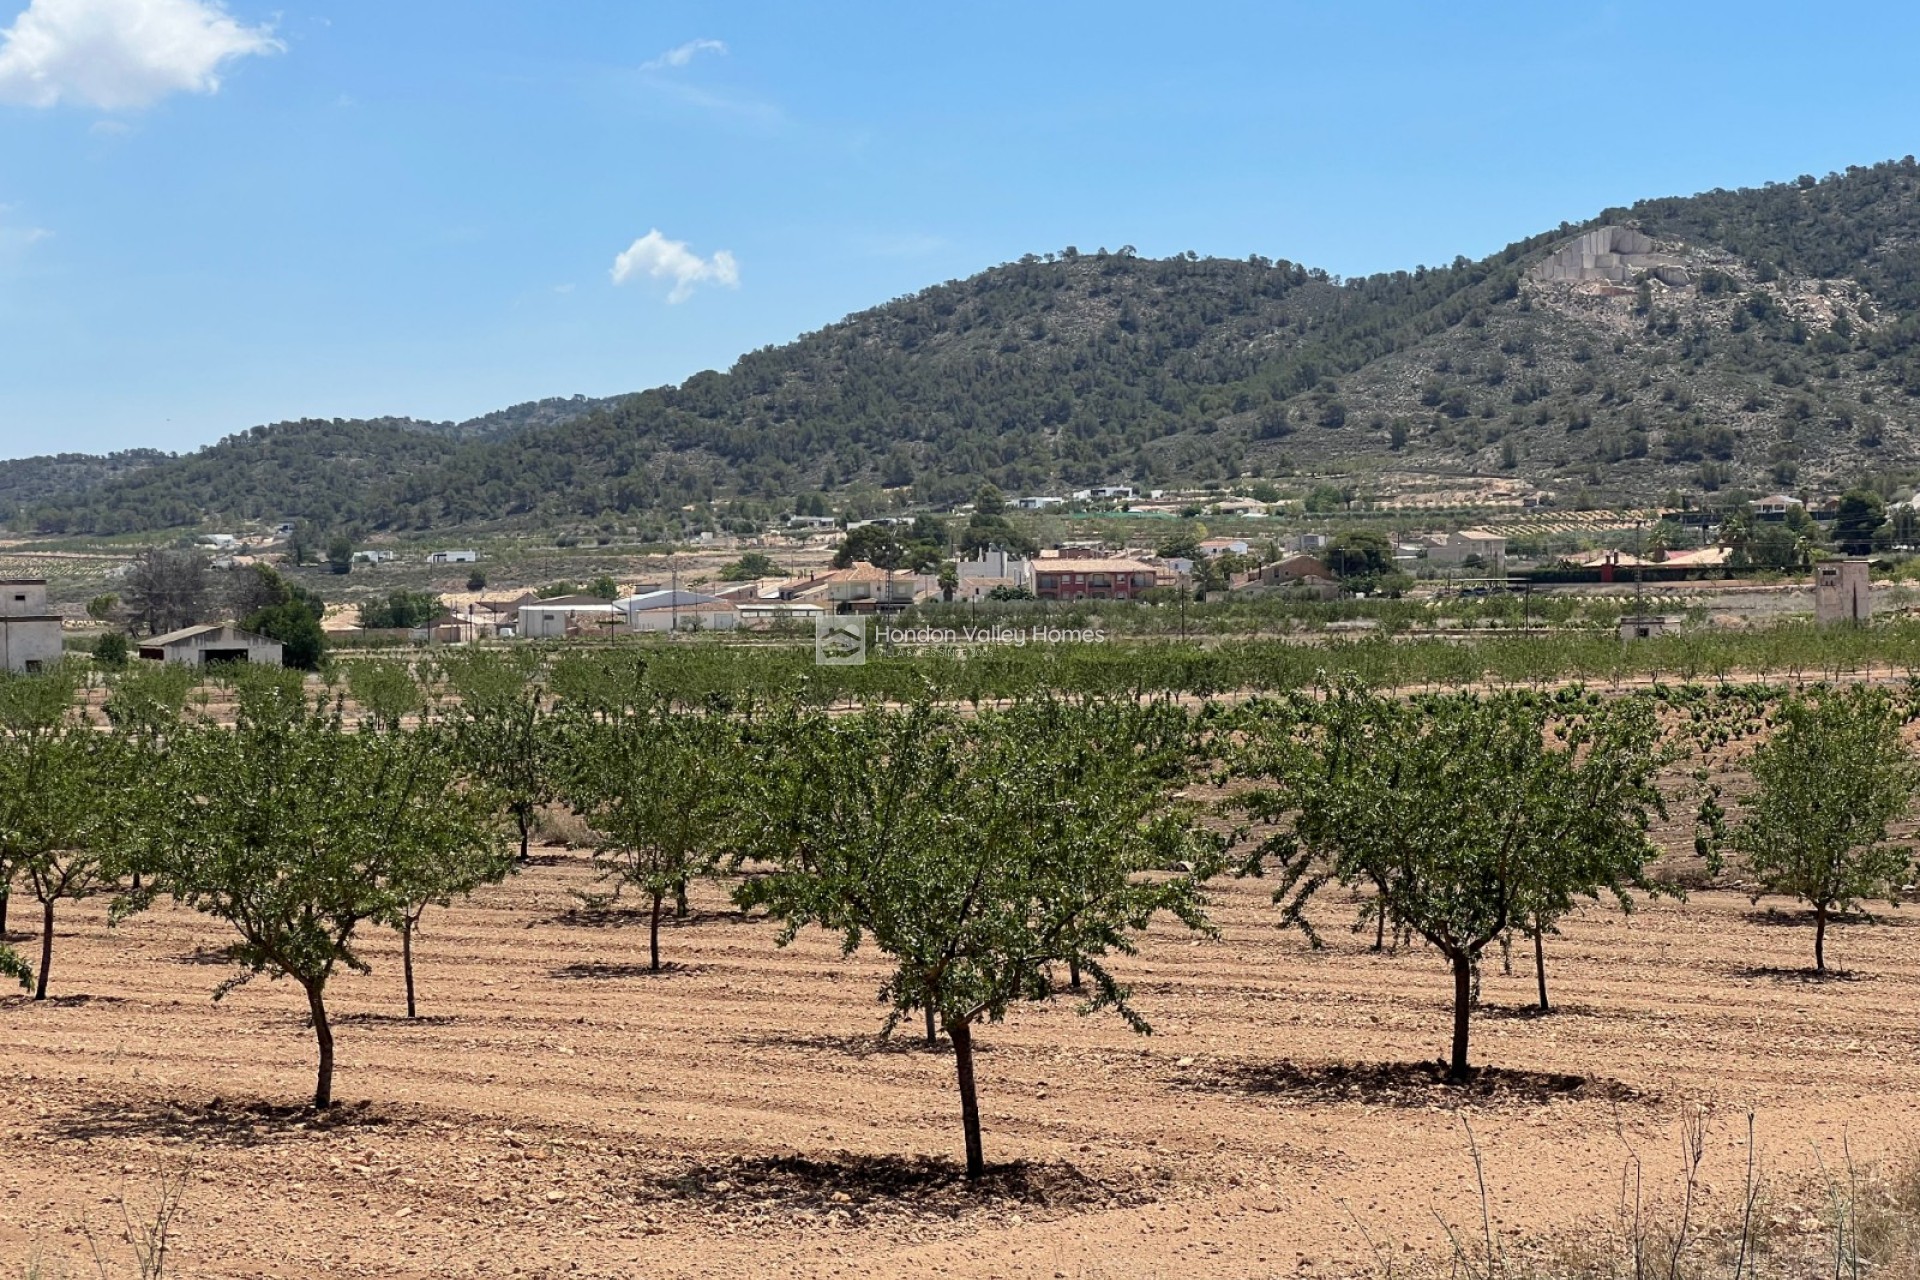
(1779, 346)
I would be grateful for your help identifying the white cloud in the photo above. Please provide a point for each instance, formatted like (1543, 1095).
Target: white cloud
(121, 54)
(663, 259)
(681, 56)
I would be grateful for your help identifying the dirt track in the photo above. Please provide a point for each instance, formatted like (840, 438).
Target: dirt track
(558, 1112)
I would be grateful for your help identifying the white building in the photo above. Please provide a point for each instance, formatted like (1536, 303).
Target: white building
(1452, 549)
(1039, 502)
(677, 610)
(29, 635)
(1842, 592)
(219, 541)
(990, 569)
(453, 557)
(374, 555)
(211, 644)
(1103, 491)
(550, 621)
(766, 613)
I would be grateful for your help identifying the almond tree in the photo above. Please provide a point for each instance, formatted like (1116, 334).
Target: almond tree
(388, 694)
(296, 830)
(654, 783)
(1828, 784)
(501, 731)
(37, 793)
(917, 829)
(1466, 815)
(85, 781)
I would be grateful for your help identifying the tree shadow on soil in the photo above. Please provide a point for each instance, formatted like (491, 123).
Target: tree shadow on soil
(204, 955)
(637, 917)
(58, 1002)
(1809, 976)
(213, 1124)
(391, 1019)
(1803, 918)
(596, 970)
(1530, 1012)
(858, 1188)
(1402, 1084)
(908, 1039)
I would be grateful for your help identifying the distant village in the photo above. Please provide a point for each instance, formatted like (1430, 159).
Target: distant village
(1305, 565)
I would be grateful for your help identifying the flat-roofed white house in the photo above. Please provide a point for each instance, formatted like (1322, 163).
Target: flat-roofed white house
(992, 568)
(212, 644)
(549, 620)
(453, 557)
(29, 634)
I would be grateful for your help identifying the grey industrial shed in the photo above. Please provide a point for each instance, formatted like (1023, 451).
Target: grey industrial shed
(212, 643)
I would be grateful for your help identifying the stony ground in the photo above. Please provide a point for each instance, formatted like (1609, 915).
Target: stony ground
(558, 1111)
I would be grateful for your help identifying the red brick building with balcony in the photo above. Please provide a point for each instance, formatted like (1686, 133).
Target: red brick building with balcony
(1091, 578)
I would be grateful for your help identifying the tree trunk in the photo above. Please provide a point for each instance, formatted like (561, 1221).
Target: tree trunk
(1819, 937)
(1380, 930)
(1073, 974)
(1540, 964)
(526, 832)
(6, 895)
(1457, 1070)
(322, 1032)
(46, 949)
(653, 934)
(961, 1033)
(680, 907)
(933, 1037)
(406, 961)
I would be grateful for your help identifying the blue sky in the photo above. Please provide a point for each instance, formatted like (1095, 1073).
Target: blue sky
(213, 217)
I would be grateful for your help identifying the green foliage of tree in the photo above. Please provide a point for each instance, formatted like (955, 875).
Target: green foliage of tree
(604, 587)
(340, 553)
(1358, 556)
(885, 546)
(1464, 815)
(46, 796)
(101, 607)
(112, 650)
(655, 785)
(285, 611)
(752, 565)
(976, 855)
(477, 580)
(1861, 516)
(501, 729)
(989, 528)
(297, 828)
(401, 610)
(1827, 786)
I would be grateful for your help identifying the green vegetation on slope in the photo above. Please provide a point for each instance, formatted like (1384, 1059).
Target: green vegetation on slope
(1790, 355)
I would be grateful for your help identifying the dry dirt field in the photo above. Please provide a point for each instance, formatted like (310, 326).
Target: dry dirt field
(559, 1112)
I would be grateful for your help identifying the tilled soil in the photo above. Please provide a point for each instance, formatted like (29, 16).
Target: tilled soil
(557, 1110)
